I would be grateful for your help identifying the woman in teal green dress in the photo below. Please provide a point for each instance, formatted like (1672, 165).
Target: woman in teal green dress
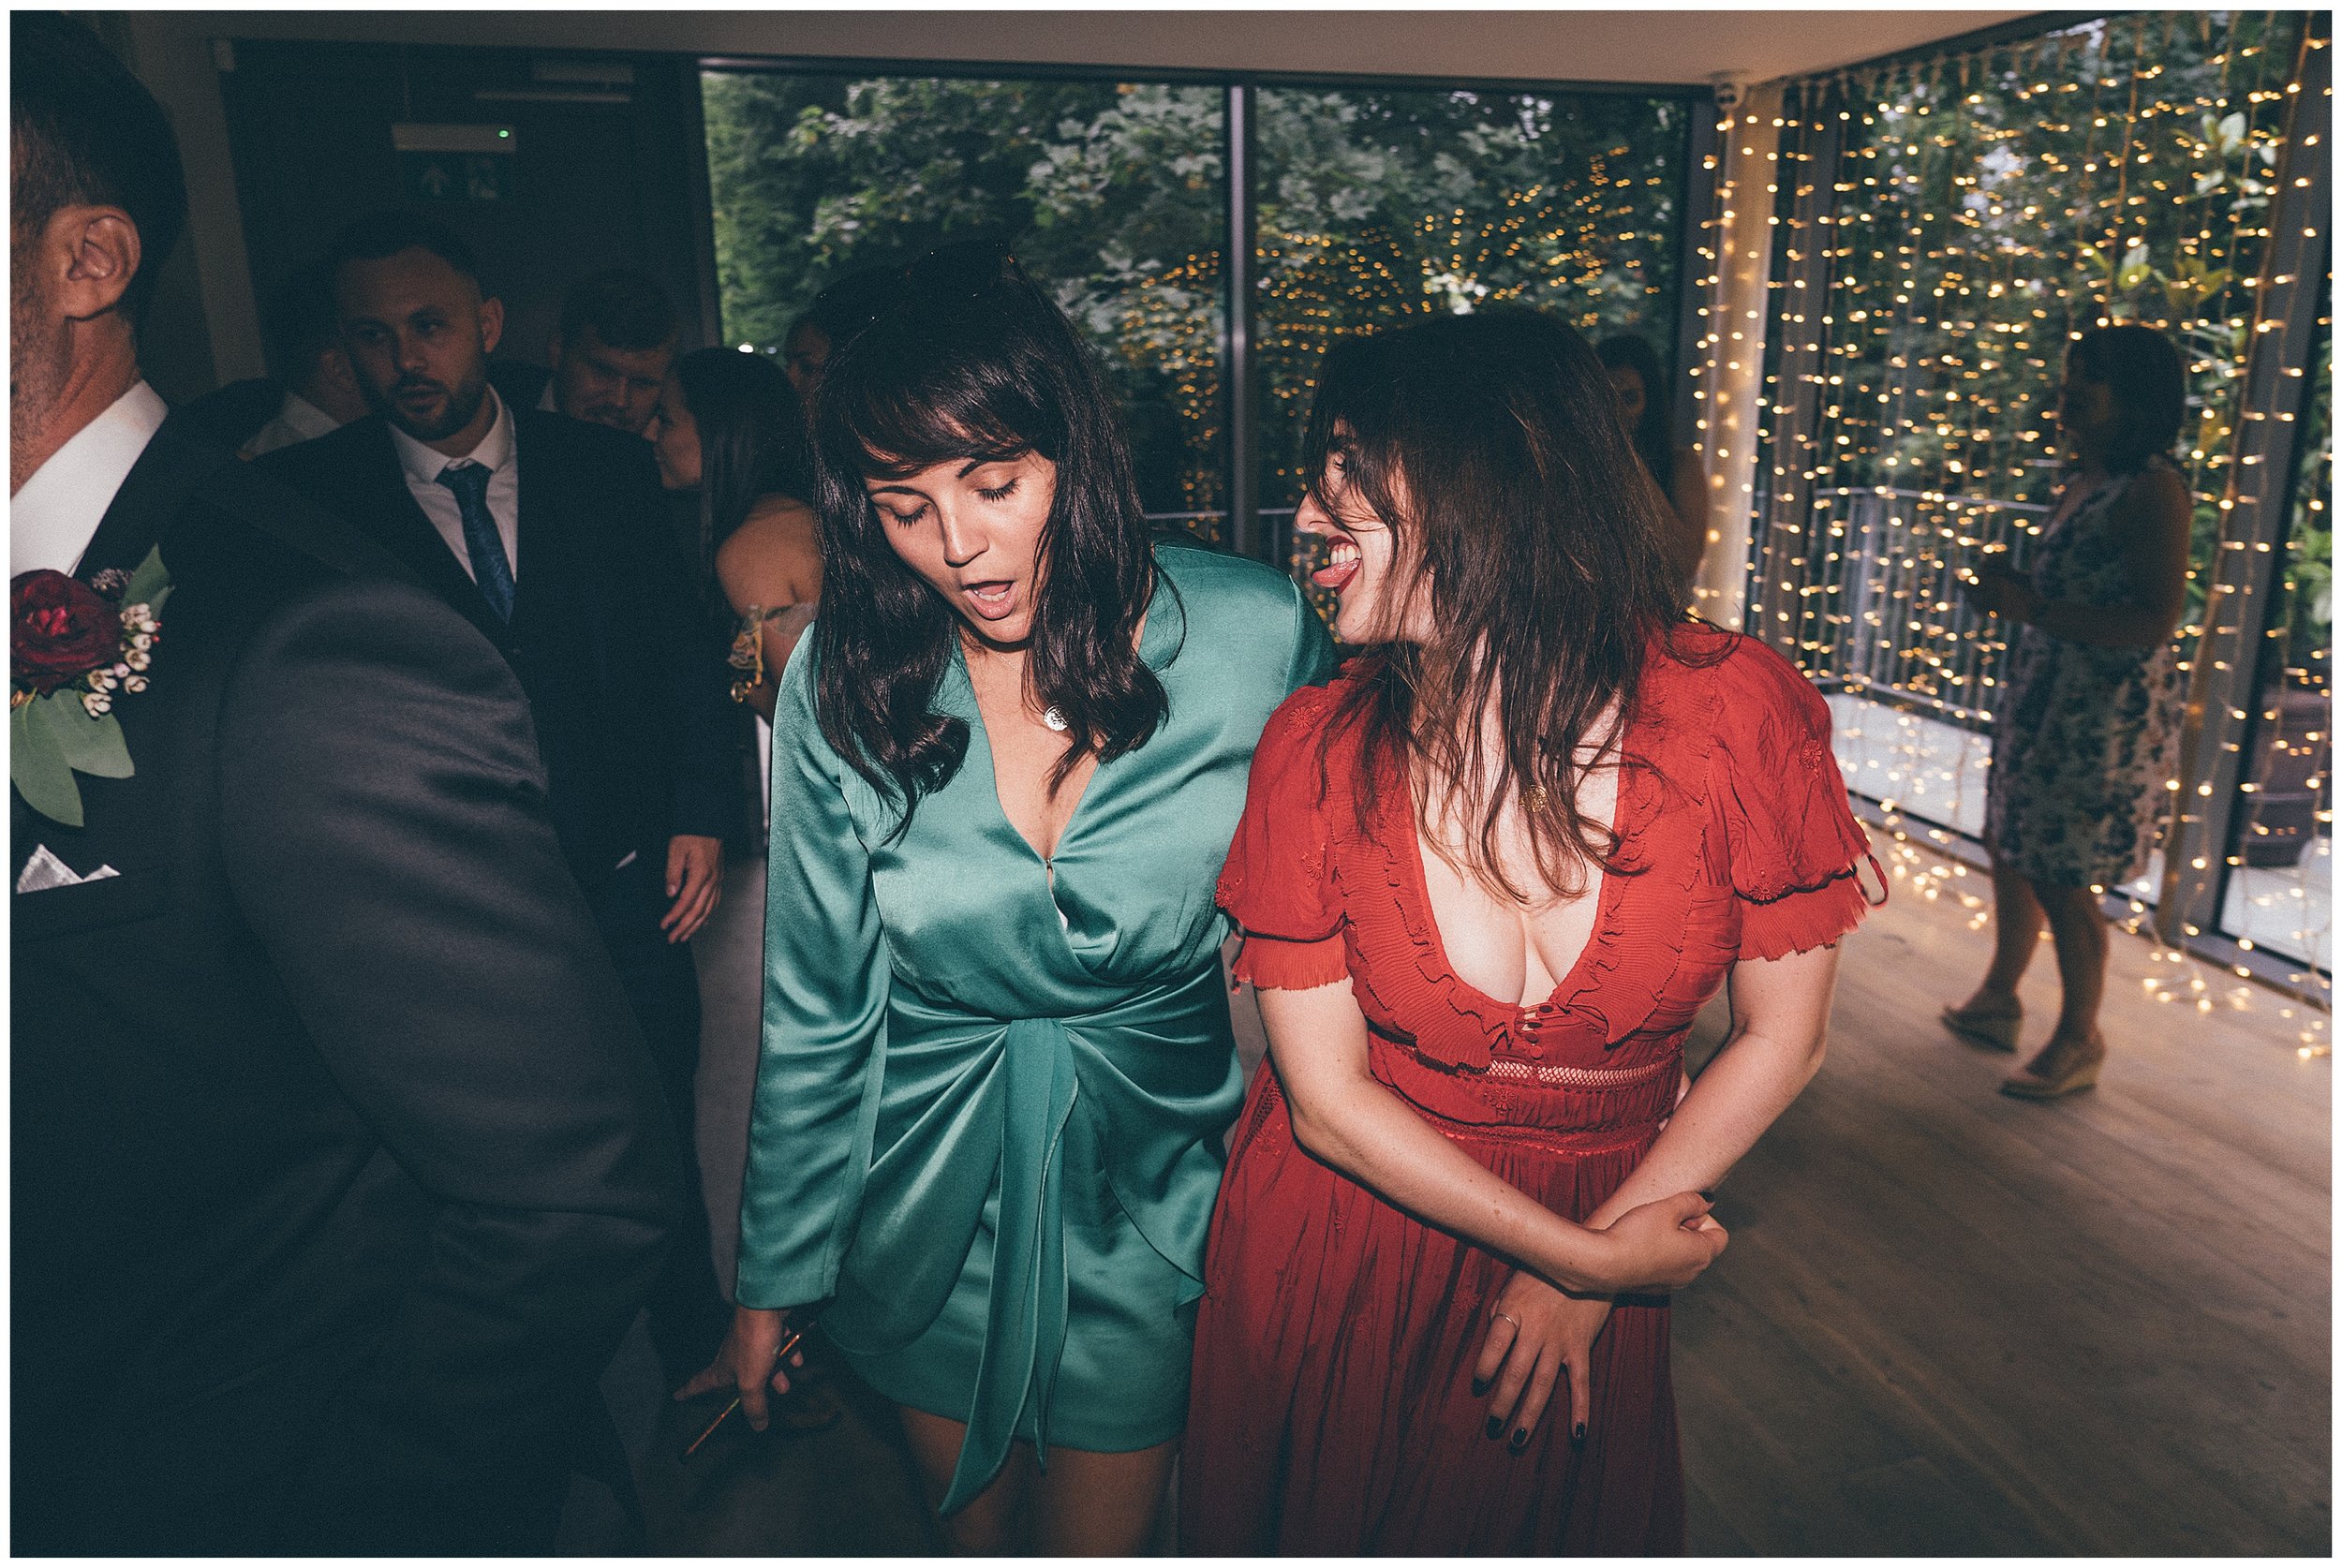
(996, 1061)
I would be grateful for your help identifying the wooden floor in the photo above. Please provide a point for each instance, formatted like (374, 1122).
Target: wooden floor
(1950, 1321)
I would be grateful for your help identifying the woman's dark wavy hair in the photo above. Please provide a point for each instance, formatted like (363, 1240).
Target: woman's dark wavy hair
(1492, 447)
(972, 362)
(1653, 436)
(2142, 367)
(753, 440)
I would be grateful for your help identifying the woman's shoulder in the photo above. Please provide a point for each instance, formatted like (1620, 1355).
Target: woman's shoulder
(778, 542)
(1303, 718)
(1735, 683)
(2158, 481)
(776, 519)
(1225, 583)
(1239, 626)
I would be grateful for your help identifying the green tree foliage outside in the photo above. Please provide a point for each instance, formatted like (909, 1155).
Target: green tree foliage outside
(1372, 207)
(1376, 208)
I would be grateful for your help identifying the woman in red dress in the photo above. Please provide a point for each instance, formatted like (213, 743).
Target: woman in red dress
(1485, 879)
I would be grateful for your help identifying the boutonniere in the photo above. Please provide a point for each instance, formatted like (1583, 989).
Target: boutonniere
(75, 649)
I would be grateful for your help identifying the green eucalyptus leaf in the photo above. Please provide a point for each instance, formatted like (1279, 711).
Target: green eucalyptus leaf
(37, 769)
(150, 585)
(90, 745)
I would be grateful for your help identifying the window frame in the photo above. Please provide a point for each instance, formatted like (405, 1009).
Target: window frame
(1246, 534)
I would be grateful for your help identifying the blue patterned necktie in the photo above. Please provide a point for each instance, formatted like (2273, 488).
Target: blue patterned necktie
(489, 568)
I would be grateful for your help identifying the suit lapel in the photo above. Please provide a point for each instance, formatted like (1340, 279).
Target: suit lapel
(167, 473)
(118, 827)
(539, 562)
(398, 523)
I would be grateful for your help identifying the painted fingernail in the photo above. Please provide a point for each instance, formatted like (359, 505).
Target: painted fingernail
(1480, 1387)
(1711, 1197)
(1496, 1426)
(1520, 1439)
(1578, 1434)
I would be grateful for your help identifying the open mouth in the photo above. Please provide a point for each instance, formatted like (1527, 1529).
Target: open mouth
(1342, 566)
(994, 600)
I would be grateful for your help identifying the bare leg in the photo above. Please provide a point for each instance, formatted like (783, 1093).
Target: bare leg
(995, 1523)
(2078, 927)
(2017, 916)
(1102, 1504)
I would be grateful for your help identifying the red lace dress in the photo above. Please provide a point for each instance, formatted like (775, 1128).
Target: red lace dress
(1332, 1410)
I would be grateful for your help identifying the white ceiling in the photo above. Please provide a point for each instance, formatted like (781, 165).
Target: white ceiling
(1647, 45)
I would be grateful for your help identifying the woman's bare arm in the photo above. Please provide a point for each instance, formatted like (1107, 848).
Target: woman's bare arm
(1780, 1019)
(1539, 1340)
(774, 559)
(2153, 521)
(1346, 1117)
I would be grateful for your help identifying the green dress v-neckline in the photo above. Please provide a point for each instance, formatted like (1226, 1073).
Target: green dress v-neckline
(980, 738)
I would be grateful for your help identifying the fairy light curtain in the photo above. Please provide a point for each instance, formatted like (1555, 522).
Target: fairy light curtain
(1944, 228)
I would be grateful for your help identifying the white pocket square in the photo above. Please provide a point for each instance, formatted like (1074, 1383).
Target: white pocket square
(44, 870)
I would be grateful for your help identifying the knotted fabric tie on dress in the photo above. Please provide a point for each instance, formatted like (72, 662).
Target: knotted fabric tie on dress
(1025, 1331)
(491, 569)
(1023, 1108)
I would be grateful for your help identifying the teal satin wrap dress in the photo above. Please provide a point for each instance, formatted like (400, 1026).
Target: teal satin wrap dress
(986, 1131)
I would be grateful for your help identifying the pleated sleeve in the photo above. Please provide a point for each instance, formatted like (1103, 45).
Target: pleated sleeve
(1795, 849)
(1277, 884)
(826, 984)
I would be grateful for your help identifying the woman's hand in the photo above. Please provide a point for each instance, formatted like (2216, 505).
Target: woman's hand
(695, 880)
(1661, 1246)
(748, 1361)
(2000, 591)
(1537, 1337)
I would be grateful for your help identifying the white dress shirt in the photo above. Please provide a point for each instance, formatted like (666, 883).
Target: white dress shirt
(297, 420)
(494, 453)
(544, 399)
(53, 517)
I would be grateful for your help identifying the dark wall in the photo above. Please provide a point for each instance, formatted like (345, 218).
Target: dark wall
(594, 185)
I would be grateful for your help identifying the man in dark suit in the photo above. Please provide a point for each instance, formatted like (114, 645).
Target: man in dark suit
(338, 1165)
(548, 534)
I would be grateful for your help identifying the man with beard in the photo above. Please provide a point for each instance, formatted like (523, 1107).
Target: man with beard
(337, 1169)
(546, 533)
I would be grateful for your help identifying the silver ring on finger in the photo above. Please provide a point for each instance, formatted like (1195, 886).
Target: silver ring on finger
(1509, 1318)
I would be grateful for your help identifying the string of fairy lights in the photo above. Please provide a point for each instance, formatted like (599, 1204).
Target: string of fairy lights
(1579, 245)
(1936, 233)
(1983, 210)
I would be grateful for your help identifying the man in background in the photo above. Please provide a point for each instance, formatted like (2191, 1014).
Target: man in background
(305, 353)
(338, 1167)
(546, 533)
(611, 353)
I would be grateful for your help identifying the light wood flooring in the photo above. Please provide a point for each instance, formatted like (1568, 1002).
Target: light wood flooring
(1950, 1321)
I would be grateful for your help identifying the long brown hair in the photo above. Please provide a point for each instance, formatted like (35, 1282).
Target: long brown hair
(972, 360)
(1492, 447)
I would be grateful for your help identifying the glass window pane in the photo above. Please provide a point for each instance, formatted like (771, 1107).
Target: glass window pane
(1113, 194)
(2279, 893)
(1990, 208)
(1375, 207)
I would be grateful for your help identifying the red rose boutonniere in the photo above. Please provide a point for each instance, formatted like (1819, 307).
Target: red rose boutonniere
(74, 648)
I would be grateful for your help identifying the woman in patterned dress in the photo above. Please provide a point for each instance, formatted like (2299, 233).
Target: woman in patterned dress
(2087, 734)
